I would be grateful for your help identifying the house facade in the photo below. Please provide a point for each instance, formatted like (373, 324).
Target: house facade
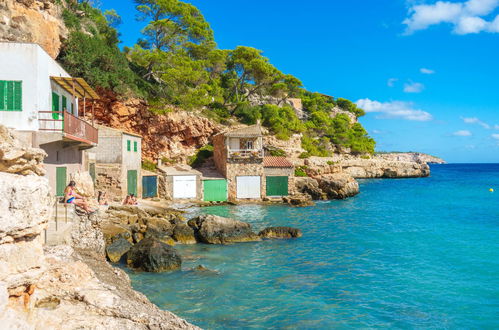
(39, 100)
(180, 182)
(118, 163)
(239, 156)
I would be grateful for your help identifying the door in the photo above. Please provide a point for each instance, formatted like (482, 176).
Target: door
(132, 182)
(60, 180)
(55, 106)
(184, 186)
(215, 190)
(277, 185)
(149, 186)
(248, 187)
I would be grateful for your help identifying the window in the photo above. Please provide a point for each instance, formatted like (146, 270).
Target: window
(65, 104)
(249, 145)
(11, 95)
(73, 109)
(128, 145)
(135, 146)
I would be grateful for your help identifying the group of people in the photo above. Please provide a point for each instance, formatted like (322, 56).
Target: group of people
(72, 197)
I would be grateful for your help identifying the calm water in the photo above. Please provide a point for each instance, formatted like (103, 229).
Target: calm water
(412, 253)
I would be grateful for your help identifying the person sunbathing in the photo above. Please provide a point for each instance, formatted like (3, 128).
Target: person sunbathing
(102, 198)
(71, 197)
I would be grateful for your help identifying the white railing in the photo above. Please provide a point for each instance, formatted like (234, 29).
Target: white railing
(245, 153)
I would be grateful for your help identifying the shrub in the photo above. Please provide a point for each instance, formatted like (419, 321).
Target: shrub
(148, 165)
(201, 156)
(277, 152)
(301, 171)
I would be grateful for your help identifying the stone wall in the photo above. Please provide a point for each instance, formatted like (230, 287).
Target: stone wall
(233, 170)
(111, 179)
(220, 154)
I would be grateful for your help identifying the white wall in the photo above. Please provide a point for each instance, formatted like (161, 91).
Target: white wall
(30, 64)
(132, 160)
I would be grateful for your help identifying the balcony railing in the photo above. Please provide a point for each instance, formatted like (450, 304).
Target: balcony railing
(73, 127)
(245, 153)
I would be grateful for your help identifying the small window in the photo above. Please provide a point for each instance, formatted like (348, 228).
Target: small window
(128, 145)
(135, 146)
(73, 109)
(65, 104)
(11, 95)
(249, 145)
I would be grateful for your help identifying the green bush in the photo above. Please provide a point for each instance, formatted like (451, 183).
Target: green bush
(277, 152)
(301, 171)
(247, 114)
(201, 156)
(148, 165)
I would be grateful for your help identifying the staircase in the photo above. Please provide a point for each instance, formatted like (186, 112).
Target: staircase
(59, 226)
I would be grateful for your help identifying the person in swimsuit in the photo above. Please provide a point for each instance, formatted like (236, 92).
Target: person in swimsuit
(71, 197)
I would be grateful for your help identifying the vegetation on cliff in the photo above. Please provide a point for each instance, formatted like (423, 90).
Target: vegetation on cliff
(177, 62)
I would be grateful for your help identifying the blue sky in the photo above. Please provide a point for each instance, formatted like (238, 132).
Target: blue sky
(427, 72)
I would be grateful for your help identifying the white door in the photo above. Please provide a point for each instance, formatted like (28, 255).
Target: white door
(248, 187)
(184, 186)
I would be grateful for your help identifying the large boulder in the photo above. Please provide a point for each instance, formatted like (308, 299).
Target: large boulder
(213, 229)
(339, 185)
(309, 186)
(152, 255)
(113, 231)
(298, 200)
(280, 232)
(84, 184)
(117, 249)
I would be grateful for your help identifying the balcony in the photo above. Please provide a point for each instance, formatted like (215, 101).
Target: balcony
(245, 153)
(72, 127)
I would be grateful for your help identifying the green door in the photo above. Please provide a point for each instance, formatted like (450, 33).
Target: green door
(55, 106)
(215, 190)
(149, 186)
(132, 182)
(60, 180)
(277, 186)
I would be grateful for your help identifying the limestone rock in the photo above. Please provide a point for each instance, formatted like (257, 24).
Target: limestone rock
(117, 249)
(184, 234)
(18, 158)
(280, 232)
(213, 229)
(300, 200)
(84, 184)
(113, 232)
(152, 255)
(339, 186)
(309, 186)
(86, 235)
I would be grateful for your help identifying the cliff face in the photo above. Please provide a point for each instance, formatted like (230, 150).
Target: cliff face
(37, 21)
(411, 157)
(175, 135)
(62, 287)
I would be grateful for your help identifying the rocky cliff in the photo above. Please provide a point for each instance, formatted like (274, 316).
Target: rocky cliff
(37, 21)
(411, 157)
(63, 287)
(175, 135)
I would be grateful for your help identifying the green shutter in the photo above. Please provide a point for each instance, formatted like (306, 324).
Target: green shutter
(72, 109)
(277, 186)
(10, 95)
(132, 182)
(60, 180)
(18, 96)
(215, 190)
(55, 105)
(128, 145)
(3, 94)
(135, 146)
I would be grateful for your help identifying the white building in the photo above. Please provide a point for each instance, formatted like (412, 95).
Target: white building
(39, 99)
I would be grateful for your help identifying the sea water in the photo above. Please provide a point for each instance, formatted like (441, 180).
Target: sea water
(404, 253)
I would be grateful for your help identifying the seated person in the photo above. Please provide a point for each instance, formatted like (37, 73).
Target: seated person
(102, 198)
(133, 200)
(71, 197)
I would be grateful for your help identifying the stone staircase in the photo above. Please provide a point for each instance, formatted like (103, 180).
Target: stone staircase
(59, 226)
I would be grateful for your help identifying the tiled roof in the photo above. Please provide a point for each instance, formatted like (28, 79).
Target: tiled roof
(272, 161)
(250, 131)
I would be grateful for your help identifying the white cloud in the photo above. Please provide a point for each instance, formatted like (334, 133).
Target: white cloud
(394, 110)
(496, 127)
(375, 131)
(426, 71)
(413, 87)
(466, 16)
(462, 133)
(495, 136)
(391, 82)
(475, 120)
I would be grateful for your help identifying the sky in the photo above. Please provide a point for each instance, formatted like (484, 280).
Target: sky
(426, 72)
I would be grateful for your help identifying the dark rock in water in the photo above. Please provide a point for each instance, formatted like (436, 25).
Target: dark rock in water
(298, 200)
(213, 229)
(309, 186)
(159, 225)
(204, 270)
(152, 255)
(280, 232)
(184, 234)
(159, 235)
(117, 249)
(339, 185)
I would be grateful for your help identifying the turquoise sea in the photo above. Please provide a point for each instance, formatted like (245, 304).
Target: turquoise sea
(407, 253)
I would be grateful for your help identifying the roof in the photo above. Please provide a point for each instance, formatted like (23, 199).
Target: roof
(178, 170)
(272, 161)
(250, 131)
(148, 173)
(103, 127)
(76, 86)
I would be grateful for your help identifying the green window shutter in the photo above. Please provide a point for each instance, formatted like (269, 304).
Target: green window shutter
(72, 109)
(277, 186)
(128, 145)
(55, 105)
(64, 103)
(3, 94)
(10, 95)
(18, 96)
(135, 146)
